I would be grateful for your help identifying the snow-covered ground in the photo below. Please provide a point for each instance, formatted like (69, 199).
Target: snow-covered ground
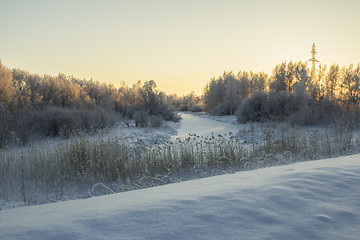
(310, 200)
(200, 124)
(205, 125)
(148, 135)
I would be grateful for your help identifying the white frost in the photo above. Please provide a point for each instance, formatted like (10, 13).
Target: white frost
(311, 200)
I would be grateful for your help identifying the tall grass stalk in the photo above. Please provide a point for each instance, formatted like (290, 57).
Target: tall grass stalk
(84, 167)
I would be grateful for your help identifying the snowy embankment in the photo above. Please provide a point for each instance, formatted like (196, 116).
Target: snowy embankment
(311, 200)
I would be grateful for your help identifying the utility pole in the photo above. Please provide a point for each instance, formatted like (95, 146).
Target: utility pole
(313, 60)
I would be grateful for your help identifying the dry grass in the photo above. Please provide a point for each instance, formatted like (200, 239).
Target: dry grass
(83, 167)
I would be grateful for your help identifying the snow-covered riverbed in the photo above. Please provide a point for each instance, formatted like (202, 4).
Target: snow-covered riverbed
(203, 126)
(198, 124)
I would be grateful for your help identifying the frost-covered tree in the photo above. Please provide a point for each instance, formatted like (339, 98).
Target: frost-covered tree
(149, 96)
(258, 82)
(214, 93)
(301, 72)
(317, 88)
(233, 91)
(332, 81)
(7, 89)
(153, 102)
(244, 85)
(278, 79)
(351, 84)
(58, 105)
(290, 74)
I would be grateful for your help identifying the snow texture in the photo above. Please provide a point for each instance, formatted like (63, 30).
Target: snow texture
(310, 200)
(205, 125)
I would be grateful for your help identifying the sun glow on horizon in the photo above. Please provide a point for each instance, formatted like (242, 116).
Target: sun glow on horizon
(180, 45)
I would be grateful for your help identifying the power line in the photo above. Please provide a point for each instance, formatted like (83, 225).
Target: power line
(313, 60)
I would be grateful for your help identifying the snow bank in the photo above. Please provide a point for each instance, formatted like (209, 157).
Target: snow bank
(312, 200)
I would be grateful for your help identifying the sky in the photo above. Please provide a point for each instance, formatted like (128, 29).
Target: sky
(179, 44)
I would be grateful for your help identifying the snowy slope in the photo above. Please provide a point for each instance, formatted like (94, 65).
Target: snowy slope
(311, 200)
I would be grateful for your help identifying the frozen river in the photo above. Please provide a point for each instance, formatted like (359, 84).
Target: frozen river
(203, 126)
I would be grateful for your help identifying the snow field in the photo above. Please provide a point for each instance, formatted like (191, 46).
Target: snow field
(310, 200)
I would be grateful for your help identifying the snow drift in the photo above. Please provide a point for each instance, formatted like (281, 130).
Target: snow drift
(309, 200)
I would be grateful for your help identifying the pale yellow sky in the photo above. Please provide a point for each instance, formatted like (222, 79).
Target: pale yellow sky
(179, 44)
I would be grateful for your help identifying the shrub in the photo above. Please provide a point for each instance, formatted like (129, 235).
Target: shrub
(253, 109)
(222, 109)
(141, 118)
(31, 124)
(132, 109)
(196, 108)
(190, 107)
(279, 105)
(6, 122)
(164, 110)
(296, 108)
(155, 121)
(184, 108)
(144, 119)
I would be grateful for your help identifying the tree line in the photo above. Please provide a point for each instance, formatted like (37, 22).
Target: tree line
(34, 106)
(292, 92)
